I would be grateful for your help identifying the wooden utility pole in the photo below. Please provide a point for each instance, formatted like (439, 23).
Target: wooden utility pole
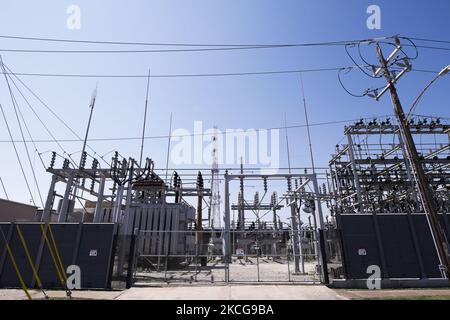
(423, 187)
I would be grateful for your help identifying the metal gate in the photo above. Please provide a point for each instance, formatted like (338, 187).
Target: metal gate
(206, 263)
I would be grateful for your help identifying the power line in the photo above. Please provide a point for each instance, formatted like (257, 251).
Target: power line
(52, 51)
(16, 107)
(40, 120)
(49, 109)
(69, 75)
(17, 154)
(207, 134)
(306, 44)
(4, 189)
(141, 51)
(173, 44)
(430, 40)
(190, 50)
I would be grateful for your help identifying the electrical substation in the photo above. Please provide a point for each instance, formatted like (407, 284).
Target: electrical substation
(383, 200)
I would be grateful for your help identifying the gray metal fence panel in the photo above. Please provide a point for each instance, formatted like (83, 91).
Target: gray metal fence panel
(360, 245)
(89, 247)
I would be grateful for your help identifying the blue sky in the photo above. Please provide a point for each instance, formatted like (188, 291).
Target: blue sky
(256, 101)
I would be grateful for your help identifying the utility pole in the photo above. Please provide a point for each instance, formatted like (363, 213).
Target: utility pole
(423, 187)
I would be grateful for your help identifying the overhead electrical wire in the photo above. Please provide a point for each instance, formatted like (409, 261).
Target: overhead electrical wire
(49, 39)
(429, 40)
(42, 122)
(207, 134)
(204, 46)
(262, 45)
(373, 92)
(29, 134)
(51, 111)
(16, 107)
(183, 50)
(17, 154)
(231, 74)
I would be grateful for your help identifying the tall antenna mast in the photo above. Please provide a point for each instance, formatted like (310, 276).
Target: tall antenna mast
(307, 125)
(168, 146)
(287, 143)
(145, 119)
(91, 106)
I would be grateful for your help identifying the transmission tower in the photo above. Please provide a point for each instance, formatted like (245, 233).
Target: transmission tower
(214, 207)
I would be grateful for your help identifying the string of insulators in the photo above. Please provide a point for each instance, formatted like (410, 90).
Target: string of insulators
(175, 179)
(114, 162)
(289, 183)
(265, 183)
(199, 181)
(94, 167)
(123, 168)
(83, 160)
(256, 199)
(178, 183)
(52, 161)
(66, 163)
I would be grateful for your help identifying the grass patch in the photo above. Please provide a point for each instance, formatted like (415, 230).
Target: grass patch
(424, 297)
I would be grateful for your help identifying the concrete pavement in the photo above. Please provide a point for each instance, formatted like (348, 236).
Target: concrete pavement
(212, 292)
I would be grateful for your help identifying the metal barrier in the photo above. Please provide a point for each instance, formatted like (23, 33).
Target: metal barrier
(258, 256)
(36, 255)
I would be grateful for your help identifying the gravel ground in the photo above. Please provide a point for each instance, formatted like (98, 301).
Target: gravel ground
(240, 271)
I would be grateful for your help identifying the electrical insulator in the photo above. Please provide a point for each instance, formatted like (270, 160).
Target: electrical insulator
(274, 199)
(289, 184)
(265, 184)
(83, 160)
(114, 188)
(66, 163)
(256, 200)
(52, 161)
(123, 168)
(94, 164)
(92, 185)
(199, 181)
(175, 179)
